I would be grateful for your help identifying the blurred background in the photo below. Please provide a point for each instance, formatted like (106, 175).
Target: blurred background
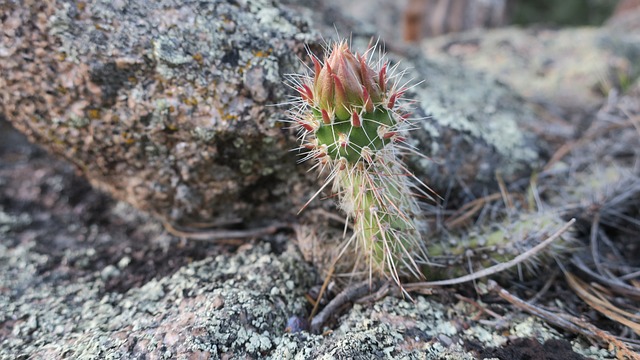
(413, 20)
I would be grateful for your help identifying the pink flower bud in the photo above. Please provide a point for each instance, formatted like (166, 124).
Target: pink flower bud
(345, 83)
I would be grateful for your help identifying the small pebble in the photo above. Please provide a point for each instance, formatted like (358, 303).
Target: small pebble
(297, 324)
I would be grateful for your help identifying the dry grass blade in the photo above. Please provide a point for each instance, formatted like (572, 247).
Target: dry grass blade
(503, 191)
(469, 209)
(597, 300)
(614, 284)
(570, 323)
(322, 291)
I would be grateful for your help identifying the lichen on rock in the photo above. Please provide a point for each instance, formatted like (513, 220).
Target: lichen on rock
(147, 98)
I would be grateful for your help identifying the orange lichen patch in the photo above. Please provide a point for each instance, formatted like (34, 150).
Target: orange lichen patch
(229, 117)
(198, 58)
(191, 101)
(93, 114)
(242, 69)
(128, 138)
(262, 54)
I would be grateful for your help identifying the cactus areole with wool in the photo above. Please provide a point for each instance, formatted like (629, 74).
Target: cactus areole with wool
(353, 120)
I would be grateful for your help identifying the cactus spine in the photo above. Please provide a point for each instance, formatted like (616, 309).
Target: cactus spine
(352, 119)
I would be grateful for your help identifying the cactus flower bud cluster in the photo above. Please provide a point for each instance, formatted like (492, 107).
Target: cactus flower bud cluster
(352, 120)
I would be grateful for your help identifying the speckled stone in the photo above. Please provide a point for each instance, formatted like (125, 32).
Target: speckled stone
(161, 103)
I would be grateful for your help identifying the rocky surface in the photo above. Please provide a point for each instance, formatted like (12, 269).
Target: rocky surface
(85, 276)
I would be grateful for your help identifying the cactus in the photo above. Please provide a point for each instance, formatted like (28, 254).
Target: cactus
(353, 121)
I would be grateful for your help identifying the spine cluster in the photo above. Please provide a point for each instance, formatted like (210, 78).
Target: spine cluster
(353, 120)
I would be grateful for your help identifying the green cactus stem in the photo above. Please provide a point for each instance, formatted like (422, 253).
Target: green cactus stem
(353, 122)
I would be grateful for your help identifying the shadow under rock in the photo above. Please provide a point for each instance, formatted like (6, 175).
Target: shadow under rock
(83, 232)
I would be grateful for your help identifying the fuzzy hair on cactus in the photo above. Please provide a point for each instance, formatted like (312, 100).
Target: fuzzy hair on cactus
(353, 120)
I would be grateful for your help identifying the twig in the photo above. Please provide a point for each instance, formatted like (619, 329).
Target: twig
(479, 307)
(381, 293)
(474, 207)
(347, 295)
(322, 290)
(602, 305)
(567, 322)
(496, 268)
(223, 234)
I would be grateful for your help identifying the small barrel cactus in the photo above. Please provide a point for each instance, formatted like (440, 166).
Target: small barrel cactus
(353, 120)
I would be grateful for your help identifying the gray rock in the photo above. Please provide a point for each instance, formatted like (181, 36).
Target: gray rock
(220, 307)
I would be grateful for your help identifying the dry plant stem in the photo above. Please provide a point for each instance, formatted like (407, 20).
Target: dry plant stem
(614, 284)
(591, 133)
(350, 294)
(483, 309)
(568, 322)
(597, 301)
(496, 268)
(469, 209)
(220, 234)
(322, 290)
